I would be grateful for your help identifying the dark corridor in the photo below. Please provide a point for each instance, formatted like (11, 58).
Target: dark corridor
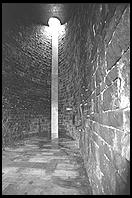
(91, 155)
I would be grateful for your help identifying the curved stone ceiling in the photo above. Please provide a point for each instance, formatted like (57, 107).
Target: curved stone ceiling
(26, 60)
(35, 12)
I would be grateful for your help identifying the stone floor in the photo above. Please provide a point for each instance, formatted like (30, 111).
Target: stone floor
(40, 167)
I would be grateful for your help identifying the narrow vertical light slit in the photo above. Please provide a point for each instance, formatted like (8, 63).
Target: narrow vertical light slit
(54, 24)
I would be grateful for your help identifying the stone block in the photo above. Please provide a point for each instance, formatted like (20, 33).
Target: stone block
(102, 68)
(107, 167)
(96, 127)
(113, 22)
(112, 75)
(106, 186)
(117, 142)
(107, 134)
(108, 151)
(94, 105)
(110, 59)
(104, 118)
(95, 137)
(102, 86)
(110, 97)
(98, 90)
(122, 188)
(125, 142)
(116, 47)
(109, 182)
(95, 188)
(124, 71)
(93, 150)
(65, 174)
(123, 30)
(97, 181)
(95, 117)
(95, 64)
(97, 105)
(118, 161)
(92, 84)
(100, 103)
(122, 166)
(113, 53)
(99, 76)
(115, 119)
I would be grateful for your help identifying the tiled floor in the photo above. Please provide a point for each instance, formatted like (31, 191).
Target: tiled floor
(40, 167)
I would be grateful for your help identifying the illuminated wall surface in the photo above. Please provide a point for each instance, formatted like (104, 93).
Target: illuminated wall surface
(83, 85)
(54, 24)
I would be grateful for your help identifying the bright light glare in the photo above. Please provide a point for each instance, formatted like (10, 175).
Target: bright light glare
(54, 23)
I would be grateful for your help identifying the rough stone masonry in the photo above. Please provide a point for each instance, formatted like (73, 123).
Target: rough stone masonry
(94, 70)
(26, 82)
(94, 82)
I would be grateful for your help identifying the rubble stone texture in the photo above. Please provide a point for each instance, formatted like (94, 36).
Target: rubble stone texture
(95, 77)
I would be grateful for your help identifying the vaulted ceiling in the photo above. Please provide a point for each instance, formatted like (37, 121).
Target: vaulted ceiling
(35, 12)
(26, 79)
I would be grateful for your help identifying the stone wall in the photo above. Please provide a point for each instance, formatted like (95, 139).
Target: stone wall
(18, 124)
(40, 125)
(94, 88)
(26, 80)
(95, 84)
